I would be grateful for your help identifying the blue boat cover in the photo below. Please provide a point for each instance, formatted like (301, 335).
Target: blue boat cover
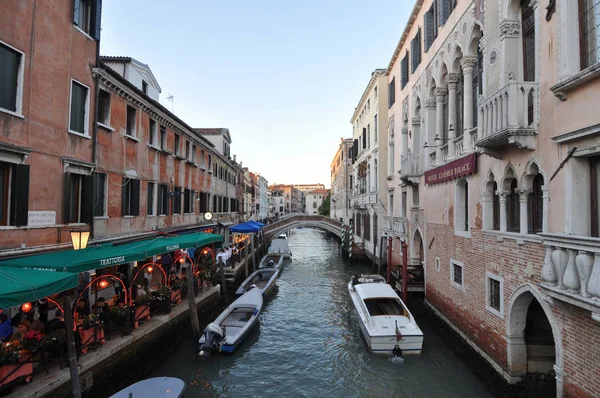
(246, 228)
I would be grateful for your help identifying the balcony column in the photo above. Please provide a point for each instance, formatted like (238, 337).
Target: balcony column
(502, 199)
(430, 114)
(452, 81)
(439, 122)
(545, 208)
(467, 64)
(523, 197)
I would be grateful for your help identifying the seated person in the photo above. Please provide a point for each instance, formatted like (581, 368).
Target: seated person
(22, 329)
(6, 327)
(57, 323)
(140, 291)
(82, 309)
(100, 307)
(38, 325)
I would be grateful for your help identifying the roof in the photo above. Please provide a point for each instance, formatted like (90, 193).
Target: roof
(156, 104)
(319, 191)
(137, 63)
(214, 131)
(409, 24)
(375, 290)
(374, 75)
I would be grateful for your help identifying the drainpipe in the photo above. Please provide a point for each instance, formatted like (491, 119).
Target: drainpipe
(95, 132)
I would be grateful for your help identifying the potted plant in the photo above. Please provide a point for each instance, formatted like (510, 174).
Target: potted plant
(10, 353)
(55, 341)
(124, 315)
(161, 299)
(32, 340)
(90, 321)
(178, 290)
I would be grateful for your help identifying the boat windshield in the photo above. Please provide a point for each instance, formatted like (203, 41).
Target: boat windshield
(385, 306)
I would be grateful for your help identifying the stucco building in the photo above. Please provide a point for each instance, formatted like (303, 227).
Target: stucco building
(369, 197)
(47, 102)
(314, 199)
(341, 185)
(293, 197)
(493, 103)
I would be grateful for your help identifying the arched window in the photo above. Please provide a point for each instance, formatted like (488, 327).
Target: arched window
(459, 107)
(477, 83)
(314, 205)
(535, 206)
(495, 207)
(461, 222)
(528, 29)
(513, 214)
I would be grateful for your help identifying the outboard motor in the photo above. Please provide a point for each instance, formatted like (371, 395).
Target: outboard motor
(209, 342)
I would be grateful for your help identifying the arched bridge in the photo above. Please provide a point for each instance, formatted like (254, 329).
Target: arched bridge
(281, 226)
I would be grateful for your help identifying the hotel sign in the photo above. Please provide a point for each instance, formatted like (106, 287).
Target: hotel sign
(451, 171)
(41, 218)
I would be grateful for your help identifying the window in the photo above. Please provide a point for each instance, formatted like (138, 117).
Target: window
(513, 210)
(131, 122)
(130, 199)
(163, 199)
(456, 271)
(14, 194)
(202, 164)
(153, 133)
(177, 145)
(445, 126)
(79, 108)
(163, 138)
(495, 207)
(144, 87)
(209, 161)
(104, 107)
(443, 9)
(176, 200)
(188, 201)
(494, 294)
(528, 28)
(83, 17)
(477, 84)
(369, 104)
(392, 92)
(100, 194)
(535, 206)
(150, 210)
(430, 27)
(188, 150)
(367, 224)
(595, 196)
(11, 76)
(415, 48)
(368, 136)
(357, 227)
(589, 32)
(375, 92)
(404, 71)
(374, 128)
(461, 218)
(194, 154)
(459, 107)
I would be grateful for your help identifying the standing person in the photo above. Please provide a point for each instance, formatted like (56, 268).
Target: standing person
(6, 327)
(42, 306)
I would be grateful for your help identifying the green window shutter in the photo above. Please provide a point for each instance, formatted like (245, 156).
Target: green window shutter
(135, 198)
(19, 195)
(124, 196)
(96, 19)
(76, 11)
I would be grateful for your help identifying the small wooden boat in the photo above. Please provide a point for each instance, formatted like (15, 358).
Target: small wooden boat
(280, 246)
(156, 387)
(384, 320)
(226, 332)
(271, 260)
(263, 278)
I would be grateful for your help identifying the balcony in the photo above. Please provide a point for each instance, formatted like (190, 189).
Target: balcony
(410, 168)
(571, 270)
(510, 116)
(394, 225)
(361, 200)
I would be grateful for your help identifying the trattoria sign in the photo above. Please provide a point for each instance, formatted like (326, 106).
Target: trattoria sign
(453, 170)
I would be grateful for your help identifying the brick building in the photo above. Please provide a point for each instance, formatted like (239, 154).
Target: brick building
(47, 102)
(482, 90)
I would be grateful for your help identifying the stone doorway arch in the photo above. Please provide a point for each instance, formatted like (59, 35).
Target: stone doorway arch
(534, 344)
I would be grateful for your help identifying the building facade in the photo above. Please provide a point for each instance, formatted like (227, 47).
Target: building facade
(263, 199)
(484, 156)
(308, 187)
(314, 199)
(47, 120)
(341, 182)
(294, 197)
(370, 147)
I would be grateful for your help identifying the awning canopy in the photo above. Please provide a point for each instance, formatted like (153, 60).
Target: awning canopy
(259, 224)
(246, 228)
(18, 286)
(92, 258)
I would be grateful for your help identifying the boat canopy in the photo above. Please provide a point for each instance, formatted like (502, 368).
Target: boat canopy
(246, 228)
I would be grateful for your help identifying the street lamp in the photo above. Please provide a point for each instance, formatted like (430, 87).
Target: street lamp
(80, 239)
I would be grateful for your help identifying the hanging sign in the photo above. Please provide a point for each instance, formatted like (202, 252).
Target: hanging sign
(453, 170)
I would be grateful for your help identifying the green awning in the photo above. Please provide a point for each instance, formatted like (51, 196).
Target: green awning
(92, 258)
(18, 286)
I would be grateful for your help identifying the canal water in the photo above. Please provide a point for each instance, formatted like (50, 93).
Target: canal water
(309, 343)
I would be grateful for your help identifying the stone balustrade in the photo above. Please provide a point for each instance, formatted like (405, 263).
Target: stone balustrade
(571, 270)
(444, 152)
(395, 225)
(409, 166)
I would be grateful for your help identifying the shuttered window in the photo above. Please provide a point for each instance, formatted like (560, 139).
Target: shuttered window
(404, 71)
(513, 210)
(415, 48)
(188, 201)
(130, 200)
(10, 61)
(151, 198)
(14, 194)
(391, 93)
(177, 200)
(163, 199)
(78, 117)
(444, 7)
(131, 121)
(495, 208)
(528, 28)
(100, 194)
(535, 206)
(87, 15)
(589, 32)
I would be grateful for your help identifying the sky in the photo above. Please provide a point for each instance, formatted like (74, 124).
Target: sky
(284, 76)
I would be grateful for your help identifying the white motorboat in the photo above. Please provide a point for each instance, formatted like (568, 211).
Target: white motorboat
(384, 319)
(226, 332)
(271, 260)
(156, 387)
(263, 278)
(280, 246)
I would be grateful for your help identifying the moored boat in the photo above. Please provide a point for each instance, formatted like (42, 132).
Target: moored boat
(226, 332)
(156, 387)
(384, 319)
(271, 260)
(280, 246)
(264, 279)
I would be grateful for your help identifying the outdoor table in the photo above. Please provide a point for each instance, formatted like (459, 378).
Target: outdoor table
(90, 336)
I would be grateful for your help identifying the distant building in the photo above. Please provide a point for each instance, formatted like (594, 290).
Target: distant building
(314, 199)
(293, 197)
(308, 187)
(341, 182)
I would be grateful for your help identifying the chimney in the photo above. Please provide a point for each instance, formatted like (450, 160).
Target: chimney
(234, 156)
(240, 164)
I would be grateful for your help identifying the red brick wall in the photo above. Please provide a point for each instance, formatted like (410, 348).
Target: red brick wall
(55, 51)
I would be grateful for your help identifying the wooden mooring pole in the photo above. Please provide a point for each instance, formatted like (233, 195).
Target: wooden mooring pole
(223, 285)
(192, 303)
(71, 349)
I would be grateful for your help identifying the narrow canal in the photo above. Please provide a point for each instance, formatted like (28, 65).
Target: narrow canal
(309, 344)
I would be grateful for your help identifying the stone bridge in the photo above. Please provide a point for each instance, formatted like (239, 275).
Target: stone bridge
(283, 225)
